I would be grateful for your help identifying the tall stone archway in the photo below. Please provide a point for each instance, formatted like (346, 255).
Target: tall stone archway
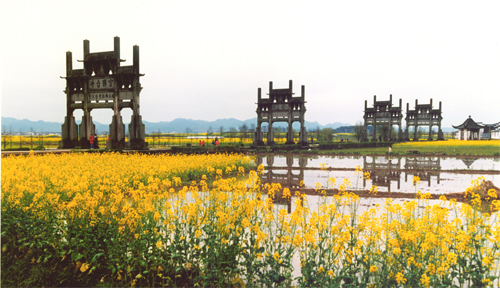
(103, 84)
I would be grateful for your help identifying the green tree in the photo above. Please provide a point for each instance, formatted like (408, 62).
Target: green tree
(326, 135)
(359, 131)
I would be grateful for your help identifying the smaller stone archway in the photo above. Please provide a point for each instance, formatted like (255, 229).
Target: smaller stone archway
(382, 113)
(423, 115)
(281, 106)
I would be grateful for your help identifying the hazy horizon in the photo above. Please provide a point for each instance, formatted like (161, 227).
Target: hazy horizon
(206, 60)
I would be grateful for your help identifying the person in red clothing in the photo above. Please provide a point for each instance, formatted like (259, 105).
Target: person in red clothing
(91, 139)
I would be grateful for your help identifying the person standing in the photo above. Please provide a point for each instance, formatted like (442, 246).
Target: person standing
(91, 139)
(96, 141)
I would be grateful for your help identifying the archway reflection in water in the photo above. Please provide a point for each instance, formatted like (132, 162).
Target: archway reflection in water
(390, 174)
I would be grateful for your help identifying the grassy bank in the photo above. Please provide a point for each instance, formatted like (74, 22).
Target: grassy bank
(446, 148)
(443, 148)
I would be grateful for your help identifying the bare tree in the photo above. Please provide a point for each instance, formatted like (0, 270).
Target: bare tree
(265, 129)
(31, 136)
(243, 132)
(221, 132)
(188, 131)
(420, 133)
(4, 134)
(153, 135)
(232, 133)
(359, 131)
(10, 136)
(41, 137)
(326, 134)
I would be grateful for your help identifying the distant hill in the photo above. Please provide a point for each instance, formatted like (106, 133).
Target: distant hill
(15, 125)
(179, 125)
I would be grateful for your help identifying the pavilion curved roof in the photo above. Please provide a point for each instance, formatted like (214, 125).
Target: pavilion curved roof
(468, 124)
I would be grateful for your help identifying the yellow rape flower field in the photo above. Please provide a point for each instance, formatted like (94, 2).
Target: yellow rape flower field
(451, 147)
(130, 220)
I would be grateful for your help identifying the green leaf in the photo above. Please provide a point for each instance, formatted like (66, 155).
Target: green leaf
(76, 256)
(96, 256)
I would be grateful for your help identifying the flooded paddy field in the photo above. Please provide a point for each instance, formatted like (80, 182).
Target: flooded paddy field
(438, 175)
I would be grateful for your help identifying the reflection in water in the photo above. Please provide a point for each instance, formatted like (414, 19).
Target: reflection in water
(468, 161)
(382, 173)
(283, 175)
(424, 168)
(391, 174)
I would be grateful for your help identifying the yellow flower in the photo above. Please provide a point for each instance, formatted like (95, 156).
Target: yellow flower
(425, 280)
(286, 193)
(492, 193)
(159, 245)
(452, 258)
(197, 234)
(276, 256)
(373, 269)
(373, 190)
(84, 267)
(486, 261)
(416, 180)
(367, 175)
(400, 278)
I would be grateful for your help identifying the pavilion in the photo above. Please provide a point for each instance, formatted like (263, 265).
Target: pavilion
(470, 130)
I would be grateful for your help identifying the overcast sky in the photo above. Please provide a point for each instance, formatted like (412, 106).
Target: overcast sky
(206, 59)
